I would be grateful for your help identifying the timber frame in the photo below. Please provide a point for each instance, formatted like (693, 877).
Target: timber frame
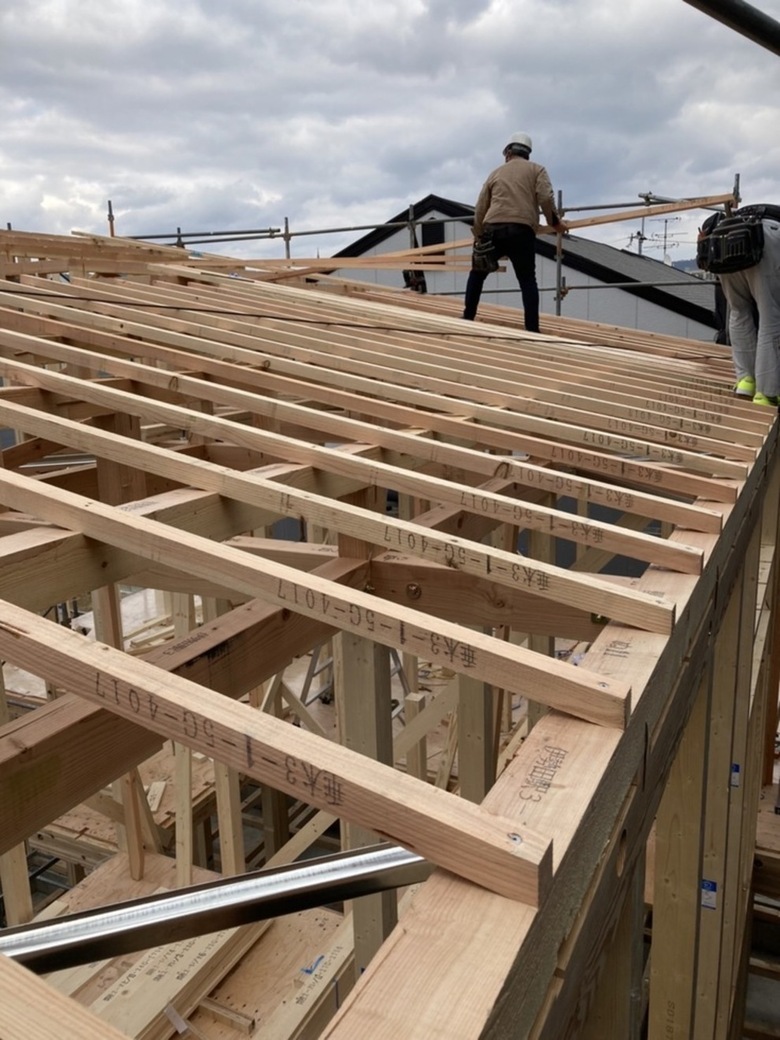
(176, 417)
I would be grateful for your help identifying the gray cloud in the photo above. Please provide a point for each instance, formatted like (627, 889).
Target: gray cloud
(242, 113)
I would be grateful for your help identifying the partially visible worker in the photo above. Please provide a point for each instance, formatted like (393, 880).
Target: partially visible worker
(506, 219)
(744, 252)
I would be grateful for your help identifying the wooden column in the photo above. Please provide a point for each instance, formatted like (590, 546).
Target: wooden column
(735, 907)
(416, 759)
(718, 821)
(14, 876)
(770, 533)
(676, 898)
(227, 785)
(540, 547)
(362, 693)
(617, 1007)
(276, 816)
(231, 837)
(476, 738)
(118, 484)
(417, 755)
(183, 614)
(762, 720)
(107, 613)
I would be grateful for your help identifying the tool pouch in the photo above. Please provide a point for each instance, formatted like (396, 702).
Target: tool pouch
(483, 254)
(730, 244)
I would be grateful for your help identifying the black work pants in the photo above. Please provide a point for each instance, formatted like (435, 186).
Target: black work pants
(516, 242)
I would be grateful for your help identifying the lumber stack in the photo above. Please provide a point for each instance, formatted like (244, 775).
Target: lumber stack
(315, 461)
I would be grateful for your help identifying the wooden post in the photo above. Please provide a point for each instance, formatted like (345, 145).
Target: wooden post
(231, 836)
(276, 817)
(717, 821)
(182, 778)
(107, 612)
(541, 547)
(183, 614)
(770, 533)
(734, 902)
(617, 1007)
(476, 739)
(417, 755)
(14, 876)
(362, 694)
(227, 785)
(676, 899)
(763, 719)
(118, 484)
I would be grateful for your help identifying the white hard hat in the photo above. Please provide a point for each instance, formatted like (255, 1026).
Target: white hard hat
(522, 140)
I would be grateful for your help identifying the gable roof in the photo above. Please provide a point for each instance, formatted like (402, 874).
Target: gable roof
(687, 295)
(430, 204)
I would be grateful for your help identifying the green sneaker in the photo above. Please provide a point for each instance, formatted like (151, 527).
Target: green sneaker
(760, 398)
(746, 387)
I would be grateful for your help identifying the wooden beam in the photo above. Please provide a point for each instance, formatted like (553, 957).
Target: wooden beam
(487, 849)
(406, 367)
(338, 389)
(595, 697)
(388, 532)
(496, 992)
(347, 427)
(32, 1010)
(377, 375)
(41, 754)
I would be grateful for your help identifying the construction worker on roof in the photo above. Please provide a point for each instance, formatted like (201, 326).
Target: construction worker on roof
(506, 219)
(744, 252)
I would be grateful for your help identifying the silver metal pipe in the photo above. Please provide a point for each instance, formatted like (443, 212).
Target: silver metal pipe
(166, 918)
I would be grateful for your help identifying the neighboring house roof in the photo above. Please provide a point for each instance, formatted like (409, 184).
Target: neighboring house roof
(594, 259)
(430, 204)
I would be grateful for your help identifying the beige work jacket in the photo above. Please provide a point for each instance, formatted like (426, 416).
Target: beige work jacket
(515, 193)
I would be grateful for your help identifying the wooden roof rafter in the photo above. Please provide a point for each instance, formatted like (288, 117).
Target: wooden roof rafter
(530, 416)
(251, 418)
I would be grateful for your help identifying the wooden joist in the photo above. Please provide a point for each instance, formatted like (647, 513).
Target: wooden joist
(593, 697)
(589, 483)
(487, 849)
(32, 1010)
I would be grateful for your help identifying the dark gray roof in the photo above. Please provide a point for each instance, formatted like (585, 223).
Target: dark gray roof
(622, 265)
(688, 295)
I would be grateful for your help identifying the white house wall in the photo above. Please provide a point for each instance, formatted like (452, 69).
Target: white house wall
(608, 305)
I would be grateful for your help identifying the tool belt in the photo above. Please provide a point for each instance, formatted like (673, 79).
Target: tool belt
(483, 253)
(733, 243)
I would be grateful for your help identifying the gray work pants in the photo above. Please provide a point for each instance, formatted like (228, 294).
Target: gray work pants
(756, 350)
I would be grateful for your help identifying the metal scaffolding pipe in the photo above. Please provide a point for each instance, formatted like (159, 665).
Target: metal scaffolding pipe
(744, 19)
(166, 918)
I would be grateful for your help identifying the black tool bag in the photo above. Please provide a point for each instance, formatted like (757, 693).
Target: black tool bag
(728, 244)
(483, 254)
(763, 210)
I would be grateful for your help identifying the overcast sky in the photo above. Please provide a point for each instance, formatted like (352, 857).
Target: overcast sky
(234, 114)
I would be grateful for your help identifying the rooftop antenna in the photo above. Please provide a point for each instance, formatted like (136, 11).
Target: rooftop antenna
(639, 236)
(667, 221)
